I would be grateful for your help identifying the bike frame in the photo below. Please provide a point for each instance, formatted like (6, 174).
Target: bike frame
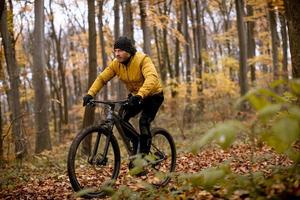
(114, 119)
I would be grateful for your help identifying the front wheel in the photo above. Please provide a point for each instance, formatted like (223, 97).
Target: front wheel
(162, 157)
(93, 162)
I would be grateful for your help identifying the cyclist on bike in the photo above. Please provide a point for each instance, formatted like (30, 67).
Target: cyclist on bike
(138, 73)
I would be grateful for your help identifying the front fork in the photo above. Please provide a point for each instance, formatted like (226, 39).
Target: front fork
(101, 158)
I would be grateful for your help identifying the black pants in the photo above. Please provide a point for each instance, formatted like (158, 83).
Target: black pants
(148, 109)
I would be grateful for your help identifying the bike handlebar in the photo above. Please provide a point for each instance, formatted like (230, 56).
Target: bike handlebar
(109, 103)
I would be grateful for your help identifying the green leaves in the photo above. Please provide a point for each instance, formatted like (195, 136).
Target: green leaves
(208, 177)
(223, 134)
(287, 130)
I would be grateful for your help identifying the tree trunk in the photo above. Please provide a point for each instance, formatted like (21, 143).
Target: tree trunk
(160, 61)
(89, 113)
(102, 44)
(204, 35)
(127, 19)
(199, 57)
(121, 88)
(145, 27)
(242, 47)
(274, 41)
(292, 10)
(43, 140)
(285, 73)
(193, 23)
(165, 48)
(188, 109)
(54, 94)
(117, 19)
(251, 42)
(13, 91)
(177, 44)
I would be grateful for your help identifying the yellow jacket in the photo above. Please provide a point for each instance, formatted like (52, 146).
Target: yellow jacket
(139, 76)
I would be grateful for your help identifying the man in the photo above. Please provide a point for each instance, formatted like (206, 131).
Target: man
(137, 71)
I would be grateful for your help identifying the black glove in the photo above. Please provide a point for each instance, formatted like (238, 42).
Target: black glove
(134, 101)
(86, 99)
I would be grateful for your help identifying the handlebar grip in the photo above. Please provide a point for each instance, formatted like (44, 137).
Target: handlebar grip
(91, 103)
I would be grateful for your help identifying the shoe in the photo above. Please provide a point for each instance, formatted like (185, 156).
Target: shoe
(142, 173)
(137, 166)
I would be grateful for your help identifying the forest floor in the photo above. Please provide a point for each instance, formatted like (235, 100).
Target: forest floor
(45, 176)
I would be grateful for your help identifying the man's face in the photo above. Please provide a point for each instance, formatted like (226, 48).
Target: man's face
(121, 55)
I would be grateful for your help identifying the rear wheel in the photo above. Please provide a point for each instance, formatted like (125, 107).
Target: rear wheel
(161, 159)
(91, 170)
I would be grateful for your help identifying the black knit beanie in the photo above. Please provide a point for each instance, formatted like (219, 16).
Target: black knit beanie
(125, 44)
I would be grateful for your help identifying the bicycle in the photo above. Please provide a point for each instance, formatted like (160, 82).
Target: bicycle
(94, 158)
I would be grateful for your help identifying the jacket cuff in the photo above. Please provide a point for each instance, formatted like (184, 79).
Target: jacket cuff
(140, 94)
(91, 93)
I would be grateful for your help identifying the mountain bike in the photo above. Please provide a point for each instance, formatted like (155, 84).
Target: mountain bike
(94, 158)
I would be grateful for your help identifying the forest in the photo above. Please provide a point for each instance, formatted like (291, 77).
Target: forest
(230, 71)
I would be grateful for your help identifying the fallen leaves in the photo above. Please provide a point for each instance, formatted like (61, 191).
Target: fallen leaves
(51, 183)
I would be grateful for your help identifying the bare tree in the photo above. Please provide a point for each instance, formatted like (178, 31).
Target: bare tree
(43, 140)
(57, 37)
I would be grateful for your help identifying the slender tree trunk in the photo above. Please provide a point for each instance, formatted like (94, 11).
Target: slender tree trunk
(127, 20)
(242, 47)
(193, 23)
(251, 42)
(199, 66)
(292, 10)
(102, 44)
(43, 140)
(160, 62)
(177, 45)
(199, 57)
(165, 48)
(89, 112)
(187, 49)
(54, 94)
(274, 41)
(61, 69)
(145, 27)
(121, 88)
(188, 109)
(285, 73)
(117, 19)
(204, 35)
